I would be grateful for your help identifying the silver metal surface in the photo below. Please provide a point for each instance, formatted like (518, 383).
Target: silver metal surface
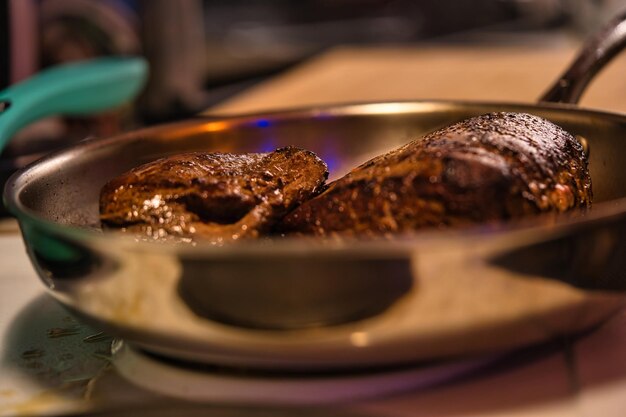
(461, 293)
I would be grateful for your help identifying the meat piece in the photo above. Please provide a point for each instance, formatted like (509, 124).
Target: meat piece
(215, 196)
(494, 167)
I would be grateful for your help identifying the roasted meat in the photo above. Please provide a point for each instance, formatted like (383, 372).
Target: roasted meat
(490, 168)
(215, 196)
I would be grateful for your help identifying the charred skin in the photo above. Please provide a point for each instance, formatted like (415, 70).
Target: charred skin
(491, 168)
(211, 196)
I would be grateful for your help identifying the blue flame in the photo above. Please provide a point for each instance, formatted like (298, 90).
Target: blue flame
(262, 123)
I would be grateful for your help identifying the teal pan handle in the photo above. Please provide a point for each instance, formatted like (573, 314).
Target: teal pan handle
(73, 89)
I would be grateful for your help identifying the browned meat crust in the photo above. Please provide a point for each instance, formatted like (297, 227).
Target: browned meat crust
(489, 168)
(215, 196)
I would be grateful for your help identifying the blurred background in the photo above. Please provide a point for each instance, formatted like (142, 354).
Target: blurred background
(203, 52)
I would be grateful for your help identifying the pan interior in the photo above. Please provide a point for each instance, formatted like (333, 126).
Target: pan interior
(65, 188)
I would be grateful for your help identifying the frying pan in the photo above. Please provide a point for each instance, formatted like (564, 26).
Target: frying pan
(303, 304)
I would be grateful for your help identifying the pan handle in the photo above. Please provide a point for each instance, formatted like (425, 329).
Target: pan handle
(594, 55)
(77, 88)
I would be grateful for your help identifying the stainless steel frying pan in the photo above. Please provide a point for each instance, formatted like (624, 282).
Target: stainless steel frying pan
(304, 304)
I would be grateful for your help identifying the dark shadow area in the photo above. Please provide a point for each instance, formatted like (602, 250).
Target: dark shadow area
(590, 258)
(258, 294)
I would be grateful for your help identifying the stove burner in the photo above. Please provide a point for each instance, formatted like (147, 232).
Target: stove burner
(218, 384)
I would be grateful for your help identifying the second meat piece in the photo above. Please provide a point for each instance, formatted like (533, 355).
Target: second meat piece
(490, 168)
